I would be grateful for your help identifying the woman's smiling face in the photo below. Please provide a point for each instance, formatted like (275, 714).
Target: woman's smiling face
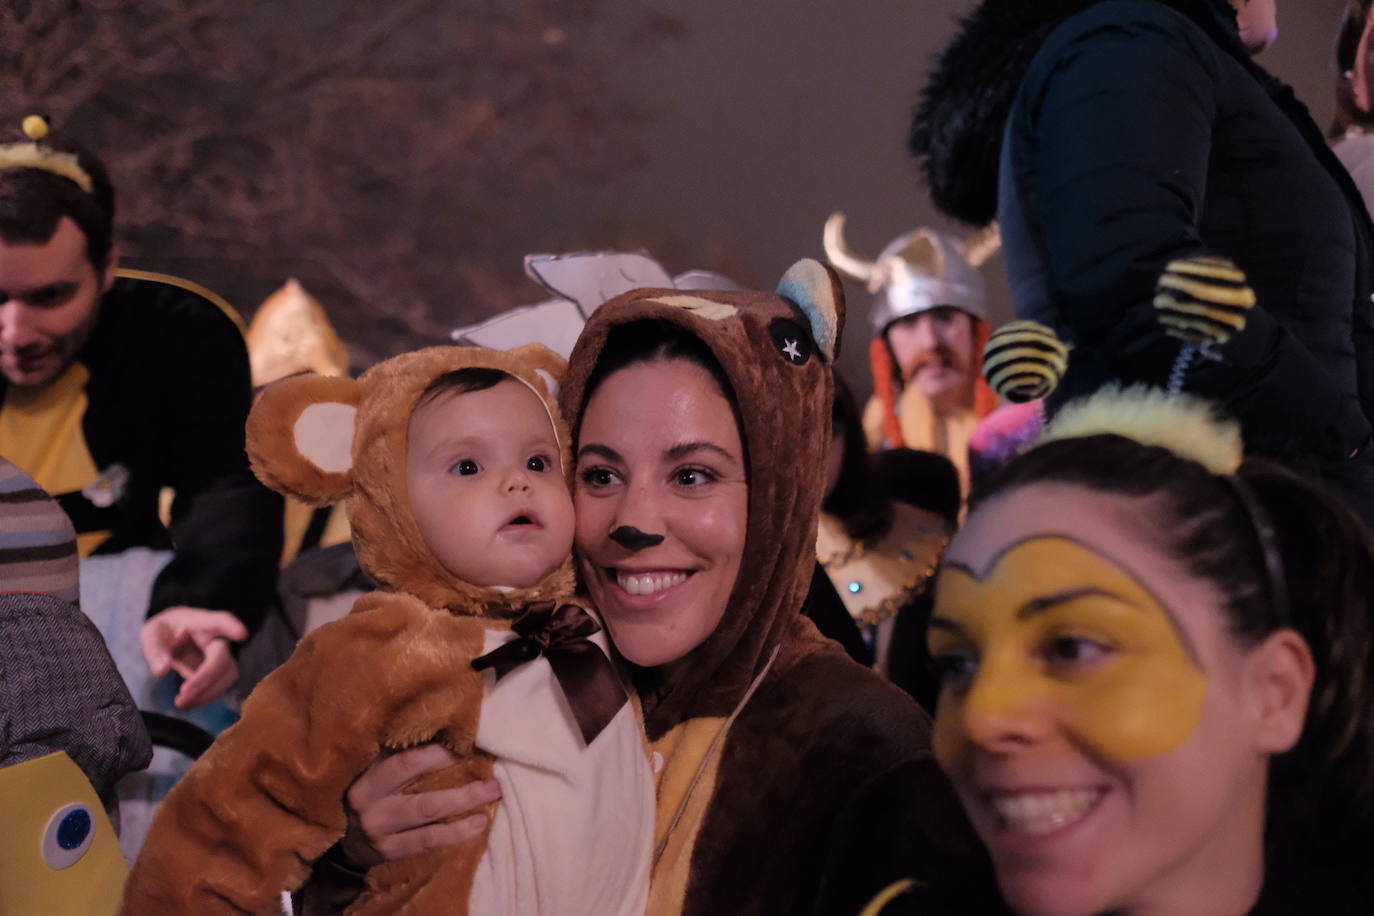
(1095, 717)
(659, 451)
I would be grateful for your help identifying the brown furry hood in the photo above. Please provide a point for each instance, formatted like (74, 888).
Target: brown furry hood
(784, 409)
(328, 439)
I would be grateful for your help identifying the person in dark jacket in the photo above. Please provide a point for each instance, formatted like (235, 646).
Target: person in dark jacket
(116, 385)
(1110, 137)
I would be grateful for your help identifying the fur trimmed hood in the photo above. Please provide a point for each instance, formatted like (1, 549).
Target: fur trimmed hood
(776, 349)
(326, 439)
(957, 130)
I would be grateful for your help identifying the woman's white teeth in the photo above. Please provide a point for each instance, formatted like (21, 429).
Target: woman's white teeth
(1044, 812)
(648, 583)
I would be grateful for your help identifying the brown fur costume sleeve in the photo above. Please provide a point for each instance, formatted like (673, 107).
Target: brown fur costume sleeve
(308, 731)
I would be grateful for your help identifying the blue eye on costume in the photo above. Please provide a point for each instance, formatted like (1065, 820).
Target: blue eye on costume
(68, 835)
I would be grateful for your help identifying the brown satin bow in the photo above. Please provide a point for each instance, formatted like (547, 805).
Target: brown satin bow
(559, 633)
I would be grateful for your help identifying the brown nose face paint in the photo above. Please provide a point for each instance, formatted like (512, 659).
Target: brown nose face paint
(1056, 639)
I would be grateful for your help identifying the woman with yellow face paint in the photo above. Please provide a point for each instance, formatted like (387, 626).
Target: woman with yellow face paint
(1158, 690)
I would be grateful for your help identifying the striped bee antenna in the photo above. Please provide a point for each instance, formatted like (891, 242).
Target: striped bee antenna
(1203, 299)
(1024, 361)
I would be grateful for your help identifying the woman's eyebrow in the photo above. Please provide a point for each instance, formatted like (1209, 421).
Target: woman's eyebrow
(605, 451)
(683, 449)
(944, 623)
(1045, 603)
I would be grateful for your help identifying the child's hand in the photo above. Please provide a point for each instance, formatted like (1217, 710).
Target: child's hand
(385, 823)
(194, 642)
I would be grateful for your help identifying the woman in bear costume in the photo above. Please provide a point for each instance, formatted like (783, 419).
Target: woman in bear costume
(794, 779)
(790, 778)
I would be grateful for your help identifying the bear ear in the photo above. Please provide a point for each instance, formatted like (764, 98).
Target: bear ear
(300, 437)
(550, 366)
(816, 290)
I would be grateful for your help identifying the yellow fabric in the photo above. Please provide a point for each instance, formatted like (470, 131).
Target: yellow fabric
(888, 894)
(40, 430)
(685, 787)
(297, 521)
(31, 883)
(922, 428)
(1138, 695)
(1188, 426)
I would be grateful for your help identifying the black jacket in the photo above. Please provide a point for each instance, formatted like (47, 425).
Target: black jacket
(1131, 132)
(167, 399)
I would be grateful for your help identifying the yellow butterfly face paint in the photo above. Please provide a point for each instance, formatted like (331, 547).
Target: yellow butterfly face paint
(1056, 631)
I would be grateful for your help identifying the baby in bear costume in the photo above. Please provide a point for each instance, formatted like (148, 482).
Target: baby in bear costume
(453, 464)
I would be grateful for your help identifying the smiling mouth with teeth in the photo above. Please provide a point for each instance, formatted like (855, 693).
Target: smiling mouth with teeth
(1039, 813)
(648, 583)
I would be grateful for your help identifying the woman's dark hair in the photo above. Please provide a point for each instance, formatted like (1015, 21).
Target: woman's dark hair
(1321, 793)
(653, 341)
(1348, 113)
(857, 500)
(33, 201)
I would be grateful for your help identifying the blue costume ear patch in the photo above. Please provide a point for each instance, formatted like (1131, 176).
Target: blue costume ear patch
(811, 286)
(791, 340)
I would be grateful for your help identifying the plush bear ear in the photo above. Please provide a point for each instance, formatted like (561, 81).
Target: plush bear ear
(816, 290)
(300, 437)
(550, 366)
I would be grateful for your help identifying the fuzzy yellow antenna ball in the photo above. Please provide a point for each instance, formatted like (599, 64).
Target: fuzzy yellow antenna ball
(1188, 426)
(33, 154)
(35, 127)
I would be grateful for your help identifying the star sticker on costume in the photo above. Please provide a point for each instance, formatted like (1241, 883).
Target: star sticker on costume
(791, 341)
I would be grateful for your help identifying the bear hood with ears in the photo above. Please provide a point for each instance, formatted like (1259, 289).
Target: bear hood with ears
(328, 439)
(777, 351)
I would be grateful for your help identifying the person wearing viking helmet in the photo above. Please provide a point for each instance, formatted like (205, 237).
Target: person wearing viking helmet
(930, 322)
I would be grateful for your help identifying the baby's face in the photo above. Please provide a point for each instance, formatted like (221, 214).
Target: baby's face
(486, 485)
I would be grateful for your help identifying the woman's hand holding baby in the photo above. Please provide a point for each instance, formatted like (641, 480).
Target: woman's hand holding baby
(386, 823)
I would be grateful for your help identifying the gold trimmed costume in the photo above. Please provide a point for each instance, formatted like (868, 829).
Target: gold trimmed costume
(876, 580)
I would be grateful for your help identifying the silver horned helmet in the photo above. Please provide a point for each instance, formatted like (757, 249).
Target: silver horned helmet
(916, 272)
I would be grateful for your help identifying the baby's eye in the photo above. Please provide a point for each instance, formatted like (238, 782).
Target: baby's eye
(538, 464)
(466, 468)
